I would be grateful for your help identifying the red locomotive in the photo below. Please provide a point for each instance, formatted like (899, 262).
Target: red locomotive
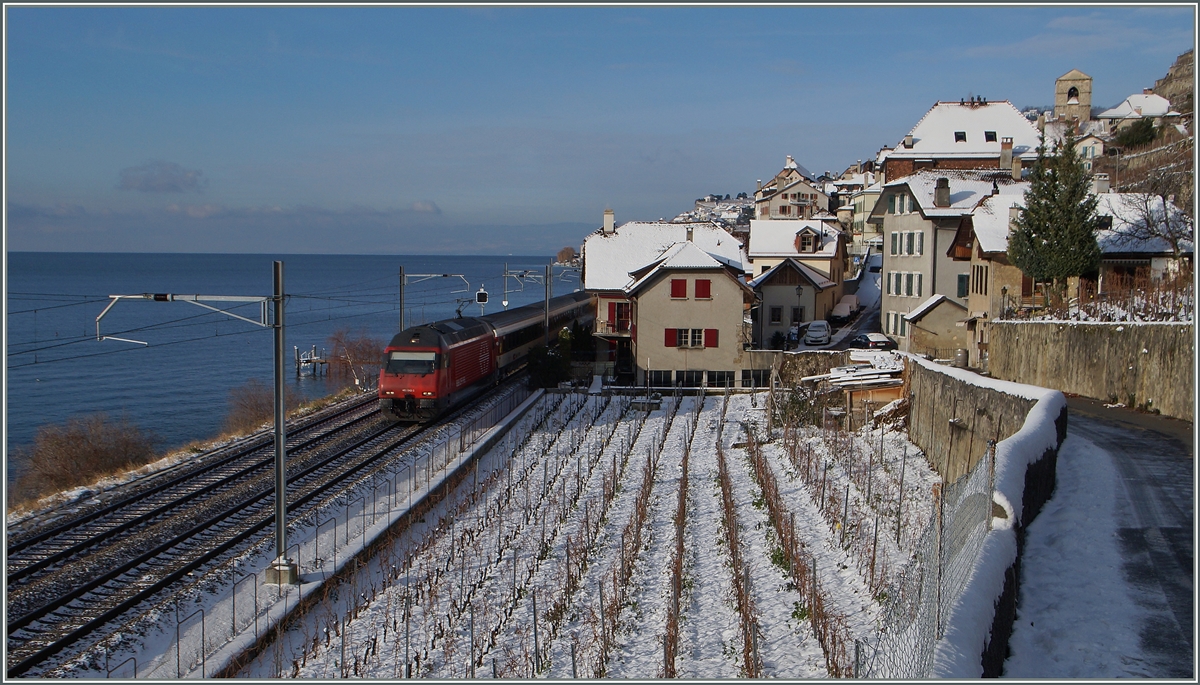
(433, 367)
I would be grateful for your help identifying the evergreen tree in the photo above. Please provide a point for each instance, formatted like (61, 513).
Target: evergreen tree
(1054, 237)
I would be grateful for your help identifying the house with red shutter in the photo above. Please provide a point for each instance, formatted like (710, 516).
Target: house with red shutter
(671, 301)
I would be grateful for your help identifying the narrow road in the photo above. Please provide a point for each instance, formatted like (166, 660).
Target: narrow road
(1108, 571)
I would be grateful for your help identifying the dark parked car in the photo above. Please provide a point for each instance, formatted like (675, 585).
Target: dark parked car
(872, 341)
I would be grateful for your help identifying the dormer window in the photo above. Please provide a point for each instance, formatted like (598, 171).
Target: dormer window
(989, 136)
(960, 136)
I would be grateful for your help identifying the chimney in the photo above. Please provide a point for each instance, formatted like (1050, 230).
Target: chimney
(689, 234)
(1100, 183)
(995, 187)
(1006, 152)
(790, 162)
(760, 184)
(941, 192)
(1016, 168)
(609, 225)
(908, 141)
(1013, 214)
(1147, 91)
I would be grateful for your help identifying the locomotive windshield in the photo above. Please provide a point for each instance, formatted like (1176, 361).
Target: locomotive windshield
(412, 362)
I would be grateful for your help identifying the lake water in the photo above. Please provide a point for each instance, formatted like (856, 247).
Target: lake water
(178, 386)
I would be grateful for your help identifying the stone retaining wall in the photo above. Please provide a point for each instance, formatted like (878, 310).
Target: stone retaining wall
(1143, 365)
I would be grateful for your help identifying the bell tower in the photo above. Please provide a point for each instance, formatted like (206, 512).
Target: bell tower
(1073, 96)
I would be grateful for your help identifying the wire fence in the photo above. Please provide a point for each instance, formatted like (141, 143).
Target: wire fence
(919, 601)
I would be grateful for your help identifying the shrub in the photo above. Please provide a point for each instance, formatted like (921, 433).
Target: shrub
(79, 452)
(252, 404)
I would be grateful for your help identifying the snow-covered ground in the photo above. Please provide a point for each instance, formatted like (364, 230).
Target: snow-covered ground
(560, 520)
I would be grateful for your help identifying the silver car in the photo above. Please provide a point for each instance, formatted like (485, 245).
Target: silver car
(818, 333)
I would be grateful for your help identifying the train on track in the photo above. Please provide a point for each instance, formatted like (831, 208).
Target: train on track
(431, 368)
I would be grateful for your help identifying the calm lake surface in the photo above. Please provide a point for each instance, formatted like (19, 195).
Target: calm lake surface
(178, 385)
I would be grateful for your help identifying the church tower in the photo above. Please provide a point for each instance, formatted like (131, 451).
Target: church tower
(1073, 96)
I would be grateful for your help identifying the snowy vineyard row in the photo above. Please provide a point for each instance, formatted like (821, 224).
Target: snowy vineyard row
(605, 539)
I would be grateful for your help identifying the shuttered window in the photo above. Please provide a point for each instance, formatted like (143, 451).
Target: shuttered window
(703, 289)
(710, 337)
(671, 338)
(679, 288)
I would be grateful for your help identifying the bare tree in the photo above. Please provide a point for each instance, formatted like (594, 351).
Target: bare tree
(1158, 203)
(358, 354)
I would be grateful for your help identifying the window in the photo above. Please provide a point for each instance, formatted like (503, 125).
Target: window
(903, 326)
(807, 242)
(963, 285)
(783, 210)
(660, 379)
(891, 204)
(908, 285)
(920, 278)
(920, 243)
(989, 136)
(797, 314)
(710, 337)
(776, 314)
(720, 379)
(679, 288)
(910, 240)
(960, 136)
(703, 289)
(895, 243)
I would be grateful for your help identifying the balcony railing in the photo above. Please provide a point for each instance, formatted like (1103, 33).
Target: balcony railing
(620, 327)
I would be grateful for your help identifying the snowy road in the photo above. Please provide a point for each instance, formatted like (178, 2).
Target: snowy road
(1107, 577)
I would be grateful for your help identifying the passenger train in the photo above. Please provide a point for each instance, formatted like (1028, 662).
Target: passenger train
(431, 368)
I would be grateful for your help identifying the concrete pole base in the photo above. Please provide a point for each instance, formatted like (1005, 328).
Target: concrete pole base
(283, 572)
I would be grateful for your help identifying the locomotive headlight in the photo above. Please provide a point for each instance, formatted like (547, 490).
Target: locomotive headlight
(388, 392)
(427, 394)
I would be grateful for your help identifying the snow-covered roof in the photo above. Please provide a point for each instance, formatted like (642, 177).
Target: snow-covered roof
(967, 188)
(991, 220)
(790, 163)
(929, 305)
(608, 260)
(683, 255)
(777, 237)
(934, 134)
(819, 281)
(991, 223)
(1126, 209)
(1138, 106)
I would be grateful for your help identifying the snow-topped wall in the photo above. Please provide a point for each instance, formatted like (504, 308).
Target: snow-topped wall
(1143, 364)
(953, 415)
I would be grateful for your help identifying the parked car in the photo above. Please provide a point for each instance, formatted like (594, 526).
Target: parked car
(818, 333)
(872, 341)
(851, 301)
(841, 313)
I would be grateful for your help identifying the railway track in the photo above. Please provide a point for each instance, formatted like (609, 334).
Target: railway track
(167, 492)
(68, 582)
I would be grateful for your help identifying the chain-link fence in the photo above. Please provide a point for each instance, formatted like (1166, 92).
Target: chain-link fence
(919, 602)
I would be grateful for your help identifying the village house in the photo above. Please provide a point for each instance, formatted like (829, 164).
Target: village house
(919, 217)
(790, 294)
(1134, 108)
(671, 300)
(997, 288)
(792, 194)
(817, 243)
(970, 134)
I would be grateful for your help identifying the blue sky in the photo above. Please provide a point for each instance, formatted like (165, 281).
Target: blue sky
(410, 130)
